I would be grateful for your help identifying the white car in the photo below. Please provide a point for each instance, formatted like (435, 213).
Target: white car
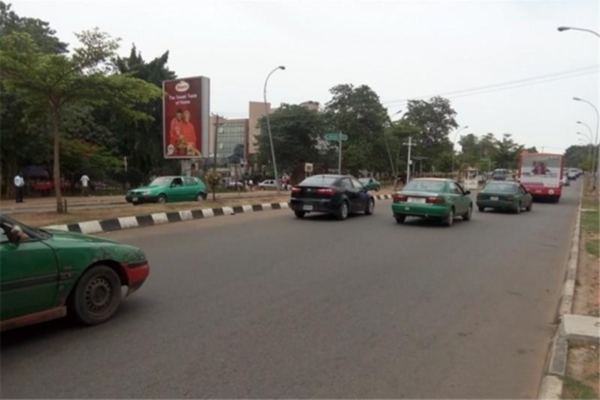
(267, 184)
(566, 181)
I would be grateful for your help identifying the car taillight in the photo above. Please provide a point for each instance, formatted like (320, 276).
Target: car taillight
(399, 198)
(436, 200)
(296, 190)
(326, 192)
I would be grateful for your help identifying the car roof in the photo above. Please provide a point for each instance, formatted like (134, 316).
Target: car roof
(433, 179)
(502, 183)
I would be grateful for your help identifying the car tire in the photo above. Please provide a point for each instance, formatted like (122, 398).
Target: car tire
(200, 197)
(343, 211)
(162, 199)
(530, 206)
(97, 296)
(450, 219)
(467, 216)
(481, 209)
(400, 219)
(518, 209)
(300, 214)
(370, 207)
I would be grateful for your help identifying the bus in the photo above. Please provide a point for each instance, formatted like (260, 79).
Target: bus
(541, 174)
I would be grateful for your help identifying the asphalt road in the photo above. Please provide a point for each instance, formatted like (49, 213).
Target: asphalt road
(266, 306)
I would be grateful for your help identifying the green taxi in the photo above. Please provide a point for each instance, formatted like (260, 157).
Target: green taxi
(169, 189)
(441, 199)
(507, 196)
(47, 274)
(370, 184)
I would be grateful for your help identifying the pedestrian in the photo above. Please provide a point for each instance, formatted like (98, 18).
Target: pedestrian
(251, 184)
(19, 187)
(85, 183)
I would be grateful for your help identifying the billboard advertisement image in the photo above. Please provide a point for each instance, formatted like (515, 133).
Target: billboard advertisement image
(186, 117)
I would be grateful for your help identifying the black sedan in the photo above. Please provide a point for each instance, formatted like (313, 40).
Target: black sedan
(339, 195)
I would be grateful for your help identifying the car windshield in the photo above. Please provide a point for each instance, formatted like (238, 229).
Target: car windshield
(8, 222)
(319, 180)
(500, 188)
(426, 186)
(162, 181)
(365, 180)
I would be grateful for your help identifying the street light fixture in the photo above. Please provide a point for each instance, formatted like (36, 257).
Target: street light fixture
(595, 142)
(281, 67)
(570, 28)
(454, 142)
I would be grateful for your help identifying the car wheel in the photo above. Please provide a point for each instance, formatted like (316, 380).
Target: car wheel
(530, 206)
(370, 207)
(481, 209)
(468, 214)
(97, 295)
(199, 197)
(400, 219)
(518, 209)
(162, 198)
(450, 219)
(342, 212)
(300, 214)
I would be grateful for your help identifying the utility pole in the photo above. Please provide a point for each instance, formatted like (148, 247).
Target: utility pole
(410, 145)
(340, 154)
(215, 151)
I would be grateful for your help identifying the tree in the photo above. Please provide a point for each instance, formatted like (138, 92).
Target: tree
(54, 81)
(506, 152)
(470, 155)
(295, 131)
(435, 119)
(579, 156)
(358, 113)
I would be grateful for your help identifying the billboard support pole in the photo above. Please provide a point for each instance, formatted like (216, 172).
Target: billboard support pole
(215, 149)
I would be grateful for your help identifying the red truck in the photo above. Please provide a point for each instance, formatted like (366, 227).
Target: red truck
(541, 174)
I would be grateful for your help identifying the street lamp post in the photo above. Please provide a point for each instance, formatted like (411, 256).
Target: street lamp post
(281, 67)
(591, 143)
(454, 142)
(570, 28)
(595, 142)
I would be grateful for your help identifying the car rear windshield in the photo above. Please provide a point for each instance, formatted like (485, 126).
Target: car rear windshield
(319, 180)
(426, 186)
(500, 188)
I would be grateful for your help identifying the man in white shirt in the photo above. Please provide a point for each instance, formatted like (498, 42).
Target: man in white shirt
(19, 187)
(85, 185)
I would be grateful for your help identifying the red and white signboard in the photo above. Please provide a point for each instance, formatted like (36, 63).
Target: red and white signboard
(186, 117)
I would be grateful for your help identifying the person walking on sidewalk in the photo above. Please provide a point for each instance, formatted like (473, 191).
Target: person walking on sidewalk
(19, 187)
(85, 182)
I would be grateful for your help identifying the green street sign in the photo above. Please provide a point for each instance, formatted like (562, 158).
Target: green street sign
(335, 137)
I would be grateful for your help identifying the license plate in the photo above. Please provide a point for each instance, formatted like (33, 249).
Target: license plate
(416, 200)
(134, 199)
(494, 198)
(307, 207)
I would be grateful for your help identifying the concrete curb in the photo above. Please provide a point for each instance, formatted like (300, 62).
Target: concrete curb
(141, 221)
(551, 386)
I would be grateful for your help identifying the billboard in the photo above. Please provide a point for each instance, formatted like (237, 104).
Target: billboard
(186, 117)
(541, 169)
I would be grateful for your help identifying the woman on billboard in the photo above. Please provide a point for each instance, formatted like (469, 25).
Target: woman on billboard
(183, 134)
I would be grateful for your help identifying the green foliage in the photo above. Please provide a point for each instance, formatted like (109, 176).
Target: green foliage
(295, 131)
(358, 113)
(579, 156)
(506, 153)
(213, 179)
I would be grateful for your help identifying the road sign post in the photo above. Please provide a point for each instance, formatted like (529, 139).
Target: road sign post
(337, 137)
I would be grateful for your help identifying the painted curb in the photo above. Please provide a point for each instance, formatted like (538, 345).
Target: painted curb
(142, 221)
(551, 386)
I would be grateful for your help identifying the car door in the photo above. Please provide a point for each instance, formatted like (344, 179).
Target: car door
(465, 198)
(191, 189)
(363, 197)
(457, 195)
(177, 190)
(526, 196)
(28, 277)
(348, 189)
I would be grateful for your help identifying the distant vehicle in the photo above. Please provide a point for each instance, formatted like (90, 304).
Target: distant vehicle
(510, 196)
(235, 185)
(339, 195)
(432, 198)
(500, 174)
(565, 181)
(169, 189)
(267, 184)
(541, 174)
(370, 184)
(573, 174)
(48, 274)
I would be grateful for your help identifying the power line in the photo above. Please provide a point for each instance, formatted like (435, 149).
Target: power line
(509, 84)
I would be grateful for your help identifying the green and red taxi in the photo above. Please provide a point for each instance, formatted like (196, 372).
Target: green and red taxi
(47, 274)
(507, 196)
(169, 189)
(442, 199)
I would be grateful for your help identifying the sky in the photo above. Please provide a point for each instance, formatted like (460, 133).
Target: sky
(401, 49)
